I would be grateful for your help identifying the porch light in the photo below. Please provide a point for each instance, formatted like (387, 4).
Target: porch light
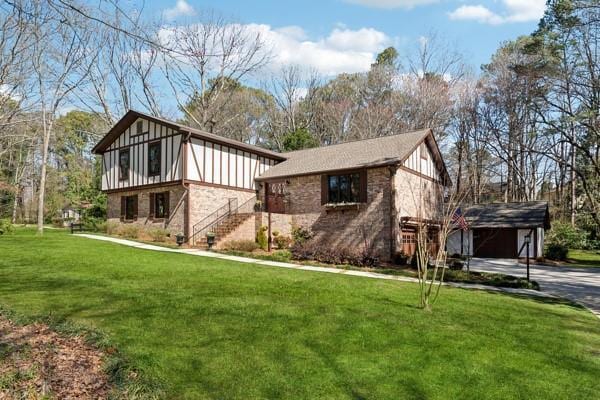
(527, 239)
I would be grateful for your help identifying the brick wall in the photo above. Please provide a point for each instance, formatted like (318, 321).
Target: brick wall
(175, 222)
(281, 223)
(343, 228)
(205, 200)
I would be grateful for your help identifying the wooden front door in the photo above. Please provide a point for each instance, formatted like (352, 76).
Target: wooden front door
(495, 243)
(409, 241)
(275, 197)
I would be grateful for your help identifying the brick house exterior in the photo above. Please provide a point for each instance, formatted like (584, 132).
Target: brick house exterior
(159, 173)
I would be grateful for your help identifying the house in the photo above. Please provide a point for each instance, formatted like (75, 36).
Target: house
(498, 230)
(70, 214)
(160, 173)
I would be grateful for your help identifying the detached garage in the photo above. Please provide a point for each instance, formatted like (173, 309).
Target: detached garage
(498, 230)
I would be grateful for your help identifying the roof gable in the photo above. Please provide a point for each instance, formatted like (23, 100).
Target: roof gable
(131, 116)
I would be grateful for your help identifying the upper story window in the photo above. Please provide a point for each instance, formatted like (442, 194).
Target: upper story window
(139, 127)
(154, 159)
(123, 164)
(344, 188)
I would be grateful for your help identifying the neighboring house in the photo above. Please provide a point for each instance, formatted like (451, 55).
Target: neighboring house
(70, 214)
(161, 173)
(498, 230)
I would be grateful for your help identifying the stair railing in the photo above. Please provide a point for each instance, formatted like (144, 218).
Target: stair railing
(211, 222)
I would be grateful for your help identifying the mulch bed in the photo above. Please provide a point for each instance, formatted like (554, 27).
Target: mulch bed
(38, 363)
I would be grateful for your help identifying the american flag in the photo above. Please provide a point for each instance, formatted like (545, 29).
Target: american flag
(459, 219)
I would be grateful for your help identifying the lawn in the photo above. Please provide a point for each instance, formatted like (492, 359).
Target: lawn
(583, 258)
(207, 328)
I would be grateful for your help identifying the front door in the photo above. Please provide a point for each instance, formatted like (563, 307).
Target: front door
(275, 197)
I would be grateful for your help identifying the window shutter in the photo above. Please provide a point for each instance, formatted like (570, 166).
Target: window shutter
(167, 204)
(363, 186)
(123, 207)
(324, 189)
(135, 207)
(151, 208)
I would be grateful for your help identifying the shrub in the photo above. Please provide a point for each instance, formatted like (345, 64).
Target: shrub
(456, 265)
(261, 237)
(112, 228)
(129, 231)
(282, 242)
(58, 222)
(241, 245)
(5, 226)
(557, 251)
(567, 236)
(93, 224)
(158, 234)
(327, 255)
(301, 235)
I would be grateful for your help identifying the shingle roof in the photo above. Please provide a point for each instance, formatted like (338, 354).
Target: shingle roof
(132, 115)
(508, 215)
(385, 150)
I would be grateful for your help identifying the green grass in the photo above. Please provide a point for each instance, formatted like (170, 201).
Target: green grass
(583, 258)
(206, 328)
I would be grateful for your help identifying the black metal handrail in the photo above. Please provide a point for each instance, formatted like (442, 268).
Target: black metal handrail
(212, 221)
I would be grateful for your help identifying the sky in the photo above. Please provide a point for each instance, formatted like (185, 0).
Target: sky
(334, 36)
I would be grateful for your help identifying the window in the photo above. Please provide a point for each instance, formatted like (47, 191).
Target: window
(159, 205)
(129, 207)
(344, 188)
(139, 127)
(124, 164)
(154, 159)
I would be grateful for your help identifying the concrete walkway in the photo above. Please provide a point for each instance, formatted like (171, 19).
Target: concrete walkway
(581, 285)
(364, 274)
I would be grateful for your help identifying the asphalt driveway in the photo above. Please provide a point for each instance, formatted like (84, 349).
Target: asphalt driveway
(579, 284)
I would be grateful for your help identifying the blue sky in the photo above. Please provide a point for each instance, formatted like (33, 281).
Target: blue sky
(335, 36)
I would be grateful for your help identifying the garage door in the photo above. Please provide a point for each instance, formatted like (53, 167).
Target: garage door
(495, 243)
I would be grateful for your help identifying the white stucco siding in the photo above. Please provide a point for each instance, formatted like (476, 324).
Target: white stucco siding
(421, 161)
(224, 165)
(137, 144)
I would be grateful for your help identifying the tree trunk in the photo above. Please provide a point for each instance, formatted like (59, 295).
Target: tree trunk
(42, 188)
(13, 218)
(573, 187)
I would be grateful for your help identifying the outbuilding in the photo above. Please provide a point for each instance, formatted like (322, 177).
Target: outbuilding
(498, 230)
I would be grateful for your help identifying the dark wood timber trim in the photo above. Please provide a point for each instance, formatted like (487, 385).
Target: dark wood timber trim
(143, 187)
(420, 175)
(216, 185)
(143, 141)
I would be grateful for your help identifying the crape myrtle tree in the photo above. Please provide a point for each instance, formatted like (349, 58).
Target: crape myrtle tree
(434, 205)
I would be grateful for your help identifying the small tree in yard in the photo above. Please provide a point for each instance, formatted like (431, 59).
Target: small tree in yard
(435, 205)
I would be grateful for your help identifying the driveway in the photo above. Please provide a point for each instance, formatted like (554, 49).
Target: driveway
(579, 284)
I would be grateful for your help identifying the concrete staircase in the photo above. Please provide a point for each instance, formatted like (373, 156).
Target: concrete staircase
(224, 228)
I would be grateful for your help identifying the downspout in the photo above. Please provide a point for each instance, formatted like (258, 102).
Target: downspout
(186, 187)
(394, 212)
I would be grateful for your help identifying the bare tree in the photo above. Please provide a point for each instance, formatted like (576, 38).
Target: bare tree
(61, 64)
(207, 57)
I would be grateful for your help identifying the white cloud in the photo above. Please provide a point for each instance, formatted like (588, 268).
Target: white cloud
(181, 8)
(408, 4)
(515, 11)
(343, 50)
